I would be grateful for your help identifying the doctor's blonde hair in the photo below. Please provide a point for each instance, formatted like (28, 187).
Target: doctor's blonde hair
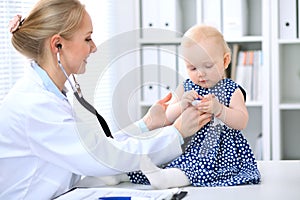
(47, 18)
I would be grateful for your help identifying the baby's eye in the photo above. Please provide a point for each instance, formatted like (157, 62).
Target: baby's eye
(191, 68)
(209, 65)
(88, 39)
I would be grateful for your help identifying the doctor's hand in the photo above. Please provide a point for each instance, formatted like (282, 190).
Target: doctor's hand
(190, 121)
(187, 98)
(156, 115)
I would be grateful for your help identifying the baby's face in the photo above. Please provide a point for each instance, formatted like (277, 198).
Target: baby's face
(204, 63)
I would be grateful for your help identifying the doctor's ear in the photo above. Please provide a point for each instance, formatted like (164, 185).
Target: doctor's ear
(55, 43)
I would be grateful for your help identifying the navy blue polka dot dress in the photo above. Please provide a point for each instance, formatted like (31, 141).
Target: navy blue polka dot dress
(217, 155)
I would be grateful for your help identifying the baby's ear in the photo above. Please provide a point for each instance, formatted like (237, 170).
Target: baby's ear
(226, 59)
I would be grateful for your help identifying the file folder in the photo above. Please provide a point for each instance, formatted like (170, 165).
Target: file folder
(244, 74)
(161, 18)
(211, 13)
(167, 70)
(234, 18)
(182, 72)
(150, 17)
(287, 19)
(150, 78)
(170, 17)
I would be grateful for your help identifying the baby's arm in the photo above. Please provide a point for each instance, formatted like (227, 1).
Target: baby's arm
(179, 102)
(174, 109)
(234, 116)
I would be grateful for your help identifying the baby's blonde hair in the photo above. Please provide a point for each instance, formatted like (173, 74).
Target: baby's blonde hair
(200, 33)
(47, 18)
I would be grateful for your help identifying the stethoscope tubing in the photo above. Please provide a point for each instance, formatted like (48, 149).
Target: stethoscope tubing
(77, 93)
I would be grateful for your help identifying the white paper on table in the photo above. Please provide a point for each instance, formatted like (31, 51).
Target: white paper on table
(96, 193)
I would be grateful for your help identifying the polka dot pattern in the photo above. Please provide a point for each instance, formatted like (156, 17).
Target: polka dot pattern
(217, 155)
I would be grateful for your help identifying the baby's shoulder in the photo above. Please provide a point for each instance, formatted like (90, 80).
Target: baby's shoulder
(230, 82)
(234, 86)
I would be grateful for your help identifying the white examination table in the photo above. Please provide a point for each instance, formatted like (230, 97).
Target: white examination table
(280, 181)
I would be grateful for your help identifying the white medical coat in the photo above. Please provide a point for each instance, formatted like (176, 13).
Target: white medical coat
(43, 150)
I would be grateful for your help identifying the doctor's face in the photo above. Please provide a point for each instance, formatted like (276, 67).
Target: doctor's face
(77, 50)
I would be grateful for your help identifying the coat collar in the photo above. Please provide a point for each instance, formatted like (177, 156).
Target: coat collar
(47, 82)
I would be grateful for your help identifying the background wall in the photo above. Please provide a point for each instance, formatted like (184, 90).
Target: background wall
(113, 67)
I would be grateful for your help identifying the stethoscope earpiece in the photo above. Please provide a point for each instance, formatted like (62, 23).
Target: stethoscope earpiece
(59, 46)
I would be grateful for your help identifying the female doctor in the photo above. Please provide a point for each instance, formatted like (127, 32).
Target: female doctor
(44, 149)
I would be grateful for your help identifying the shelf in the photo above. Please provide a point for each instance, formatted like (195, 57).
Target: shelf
(254, 104)
(285, 41)
(145, 104)
(245, 39)
(289, 106)
(155, 41)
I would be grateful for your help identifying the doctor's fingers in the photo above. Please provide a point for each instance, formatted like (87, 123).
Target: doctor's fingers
(199, 119)
(164, 102)
(204, 118)
(190, 95)
(190, 121)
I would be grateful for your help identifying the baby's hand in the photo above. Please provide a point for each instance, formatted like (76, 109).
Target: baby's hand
(187, 98)
(209, 104)
(197, 103)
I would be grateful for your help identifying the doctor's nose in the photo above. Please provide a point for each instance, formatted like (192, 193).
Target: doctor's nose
(93, 47)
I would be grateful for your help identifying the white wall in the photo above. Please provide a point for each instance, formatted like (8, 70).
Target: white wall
(115, 62)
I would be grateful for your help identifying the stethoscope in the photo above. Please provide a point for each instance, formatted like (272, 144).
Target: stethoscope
(77, 92)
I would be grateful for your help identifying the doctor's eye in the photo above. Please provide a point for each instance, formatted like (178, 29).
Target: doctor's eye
(88, 39)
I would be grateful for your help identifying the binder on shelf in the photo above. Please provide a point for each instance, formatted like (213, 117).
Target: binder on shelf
(249, 73)
(161, 18)
(211, 13)
(257, 76)
(167, 69)
(182, 73)
(150, 17)
(234, 14)
(244, 72)
(287, 19)
(150, 72)
(298, 18)
(259, 147)
(234, 60)
(170, 17)
(150, 93)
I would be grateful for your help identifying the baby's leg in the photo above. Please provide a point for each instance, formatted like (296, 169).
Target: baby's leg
(99, 181)
(114, 180)
(163, 178)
